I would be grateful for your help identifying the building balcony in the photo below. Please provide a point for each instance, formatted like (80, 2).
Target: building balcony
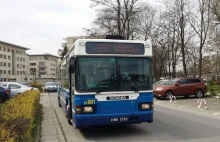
(42, 66)
(42, 71)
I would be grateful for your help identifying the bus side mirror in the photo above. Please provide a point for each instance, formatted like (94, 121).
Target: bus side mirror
(72, 65)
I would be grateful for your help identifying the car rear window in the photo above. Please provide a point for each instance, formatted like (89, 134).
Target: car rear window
(4, 85)
(1, 88)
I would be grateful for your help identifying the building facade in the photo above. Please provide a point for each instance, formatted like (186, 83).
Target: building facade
(70, 40)
(43, 67)
(14, 62)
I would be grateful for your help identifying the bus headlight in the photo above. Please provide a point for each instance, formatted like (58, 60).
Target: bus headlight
(145, 106)
(87, 109)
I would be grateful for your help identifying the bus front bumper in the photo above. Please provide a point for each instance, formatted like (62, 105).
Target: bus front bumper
(111, 120)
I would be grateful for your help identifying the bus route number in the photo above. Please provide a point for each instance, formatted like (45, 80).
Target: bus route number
(89, 102)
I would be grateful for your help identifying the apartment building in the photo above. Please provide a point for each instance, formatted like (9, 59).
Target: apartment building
(43, 67)
(14, 62)
(70, 40)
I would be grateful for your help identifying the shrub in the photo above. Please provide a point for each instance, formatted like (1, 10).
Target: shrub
(17, 116)
(211, 83)
(37, 85)
(66, 84)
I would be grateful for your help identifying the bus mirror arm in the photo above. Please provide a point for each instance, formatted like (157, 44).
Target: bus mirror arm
(72, 65)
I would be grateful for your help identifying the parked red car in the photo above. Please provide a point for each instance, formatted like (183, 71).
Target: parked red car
(181, 87)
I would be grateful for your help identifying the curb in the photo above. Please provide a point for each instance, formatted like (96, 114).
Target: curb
(39, 127)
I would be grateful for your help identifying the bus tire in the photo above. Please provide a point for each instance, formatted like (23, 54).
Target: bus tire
(68, 117)
(59, 101)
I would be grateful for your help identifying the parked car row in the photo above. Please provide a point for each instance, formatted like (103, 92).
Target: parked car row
(11, 89)
(180, 87)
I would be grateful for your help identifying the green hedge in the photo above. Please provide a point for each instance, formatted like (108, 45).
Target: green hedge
(17, 117)
(37, 85)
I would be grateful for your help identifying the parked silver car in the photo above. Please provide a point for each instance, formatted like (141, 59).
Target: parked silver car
(16, 88)
(51, 87)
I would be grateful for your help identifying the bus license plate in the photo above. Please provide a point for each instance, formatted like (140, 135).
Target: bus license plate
(120, 119)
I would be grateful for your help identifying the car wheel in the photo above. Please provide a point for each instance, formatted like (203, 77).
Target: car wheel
(199, 93)
(168, 94)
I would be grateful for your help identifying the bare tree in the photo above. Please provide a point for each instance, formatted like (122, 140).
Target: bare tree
(146, 21)
(201, 22)
(117, 16)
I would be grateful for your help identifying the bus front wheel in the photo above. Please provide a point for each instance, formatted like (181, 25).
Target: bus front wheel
(68, 115)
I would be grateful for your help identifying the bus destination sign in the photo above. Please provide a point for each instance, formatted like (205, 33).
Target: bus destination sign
(114, 48)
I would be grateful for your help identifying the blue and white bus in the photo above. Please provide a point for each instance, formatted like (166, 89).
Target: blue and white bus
(110, 82)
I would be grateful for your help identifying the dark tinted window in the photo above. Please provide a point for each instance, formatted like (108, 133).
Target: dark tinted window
(192, 81)
(189, 81)
(182, 81)
(1, 88)
(196, 81)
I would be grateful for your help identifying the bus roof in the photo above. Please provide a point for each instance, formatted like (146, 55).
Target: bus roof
(87, 47)
(79, 48)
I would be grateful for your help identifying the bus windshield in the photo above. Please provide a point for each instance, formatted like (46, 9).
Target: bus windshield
(102, 74)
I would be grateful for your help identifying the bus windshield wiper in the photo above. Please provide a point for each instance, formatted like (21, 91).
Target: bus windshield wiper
(133, 87)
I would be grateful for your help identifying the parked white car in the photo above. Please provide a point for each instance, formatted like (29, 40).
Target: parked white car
(16, 88)
(50, 87)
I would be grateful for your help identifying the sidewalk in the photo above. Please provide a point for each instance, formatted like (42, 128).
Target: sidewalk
(50, 130)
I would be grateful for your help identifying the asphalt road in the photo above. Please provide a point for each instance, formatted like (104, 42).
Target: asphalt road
(170, 124)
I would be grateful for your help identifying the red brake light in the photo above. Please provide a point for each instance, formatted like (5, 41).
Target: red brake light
(7, 92)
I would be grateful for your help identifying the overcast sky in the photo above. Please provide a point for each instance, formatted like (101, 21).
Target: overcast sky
(41, 24)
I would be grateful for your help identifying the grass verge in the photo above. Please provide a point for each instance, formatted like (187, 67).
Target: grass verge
(36, 124)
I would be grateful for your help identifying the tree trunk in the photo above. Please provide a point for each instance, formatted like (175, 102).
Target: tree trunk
(217, 66)
(200, 62)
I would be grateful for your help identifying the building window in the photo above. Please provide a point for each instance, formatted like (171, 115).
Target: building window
(9, 57)
(20, 52)
(16, 52)
(23, 66)
(4, 56)
(0, 55)
(4, 71)
(20, 59)
(23, 59)
(17, 72)
(5, 64)
(5, 79)
(9, 65)
(3, 48)
(0, 71)
(1, 63)
(8, 50)
(17, 65)
(20, 65)
(20, 72)
(30, 78)
(17, 59)
(0, 48)
(9, 72)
